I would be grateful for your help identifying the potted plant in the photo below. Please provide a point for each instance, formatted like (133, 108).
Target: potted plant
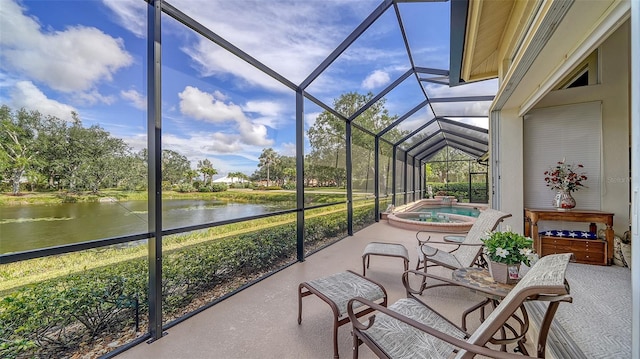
(565, 178)
(506, 251)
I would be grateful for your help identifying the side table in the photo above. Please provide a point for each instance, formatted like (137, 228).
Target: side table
(479, 280)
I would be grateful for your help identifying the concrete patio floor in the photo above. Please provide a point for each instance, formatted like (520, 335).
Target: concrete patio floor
(261, 321)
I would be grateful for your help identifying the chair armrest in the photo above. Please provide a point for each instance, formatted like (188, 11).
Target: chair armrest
(423, 240)
(553, 298)
(449, 281)
(420, 326)
(433, 244)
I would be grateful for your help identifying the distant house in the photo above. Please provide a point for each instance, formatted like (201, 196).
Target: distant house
(229, 180)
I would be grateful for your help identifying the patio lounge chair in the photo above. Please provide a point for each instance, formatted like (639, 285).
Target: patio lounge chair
(466, 253)
(411, 329)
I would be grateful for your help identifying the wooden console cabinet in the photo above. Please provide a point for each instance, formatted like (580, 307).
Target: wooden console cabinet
(591, 251)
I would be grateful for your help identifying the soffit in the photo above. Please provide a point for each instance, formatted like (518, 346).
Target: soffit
(486, 23)
(494, 31)
(582, 29)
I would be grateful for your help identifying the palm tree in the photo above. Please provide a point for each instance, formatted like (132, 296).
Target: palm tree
(206, 168)
(268, 158)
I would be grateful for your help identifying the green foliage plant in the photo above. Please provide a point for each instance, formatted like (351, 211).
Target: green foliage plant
(508, 247)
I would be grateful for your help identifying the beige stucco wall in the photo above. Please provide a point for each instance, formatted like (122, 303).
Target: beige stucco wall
(510, 168)
(613, 91)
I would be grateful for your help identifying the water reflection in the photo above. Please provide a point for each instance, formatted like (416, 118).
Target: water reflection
(38, 226)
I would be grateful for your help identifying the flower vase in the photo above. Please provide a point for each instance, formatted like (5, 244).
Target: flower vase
(563, 200)
(504, 273)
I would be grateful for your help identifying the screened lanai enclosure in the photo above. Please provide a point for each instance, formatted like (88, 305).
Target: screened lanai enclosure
(355, 96)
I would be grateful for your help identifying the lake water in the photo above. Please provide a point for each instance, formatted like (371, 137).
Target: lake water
(38, 226)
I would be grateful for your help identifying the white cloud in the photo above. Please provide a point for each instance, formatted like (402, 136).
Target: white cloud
(254, 134)
(92, 97)
(130, 14)
(200, 146)
(265, 108)
(208, 107)
(71, 60)
(216, 147)
(310, 118)
(204, 106)
(220, 96)
(269, 113)
(292, 38)
(223, 143)
(26, 94)
(212, 60)
(137, 141)
(138, 100)
(376, 79)
(287, 149)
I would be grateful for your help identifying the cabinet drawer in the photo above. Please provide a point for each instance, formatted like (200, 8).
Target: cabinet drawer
(589, 257)
(584, 250)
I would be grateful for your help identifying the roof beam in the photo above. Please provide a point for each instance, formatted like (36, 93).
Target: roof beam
(424, 140)
(213, 37)
(380, 95)
(441, 82)
(462, 99)
(364, 25)
(465, 125)
(434, 149)
(469, 138)
(416, 131)
(458, 26)
(427, 70)
(452, 140)
(404, 117)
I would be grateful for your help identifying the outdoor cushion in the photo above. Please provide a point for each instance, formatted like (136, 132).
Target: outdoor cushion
(400, 340)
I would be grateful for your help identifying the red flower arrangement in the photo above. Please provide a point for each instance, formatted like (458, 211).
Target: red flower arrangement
(565, 177)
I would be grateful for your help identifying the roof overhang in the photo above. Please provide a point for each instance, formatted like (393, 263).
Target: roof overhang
(529, 45)
(485, 34)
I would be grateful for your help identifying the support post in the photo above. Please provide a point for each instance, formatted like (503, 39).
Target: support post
(376, 179)
(349, 174)
(393, 178)
(300, 174)
(154, 176)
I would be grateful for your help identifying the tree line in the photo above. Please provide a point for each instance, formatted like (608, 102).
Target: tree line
(43, 152)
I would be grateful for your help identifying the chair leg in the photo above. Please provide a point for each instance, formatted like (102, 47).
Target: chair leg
(335, 338)
(356, 345)
(423, 284)
(364, 267)
(299, 304)
(544, 328)
(481, 306)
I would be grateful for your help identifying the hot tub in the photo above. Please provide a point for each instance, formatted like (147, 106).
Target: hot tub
(442, 214)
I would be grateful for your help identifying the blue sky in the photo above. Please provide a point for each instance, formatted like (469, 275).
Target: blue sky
(90, 57)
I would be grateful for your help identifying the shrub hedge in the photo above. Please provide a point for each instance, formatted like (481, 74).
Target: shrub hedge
(460, 190)
(51, 318)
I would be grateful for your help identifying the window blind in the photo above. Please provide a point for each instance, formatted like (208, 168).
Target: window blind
(570, 132)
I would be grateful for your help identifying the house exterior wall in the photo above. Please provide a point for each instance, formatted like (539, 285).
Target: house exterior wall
(548, 69)
(613, 91)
